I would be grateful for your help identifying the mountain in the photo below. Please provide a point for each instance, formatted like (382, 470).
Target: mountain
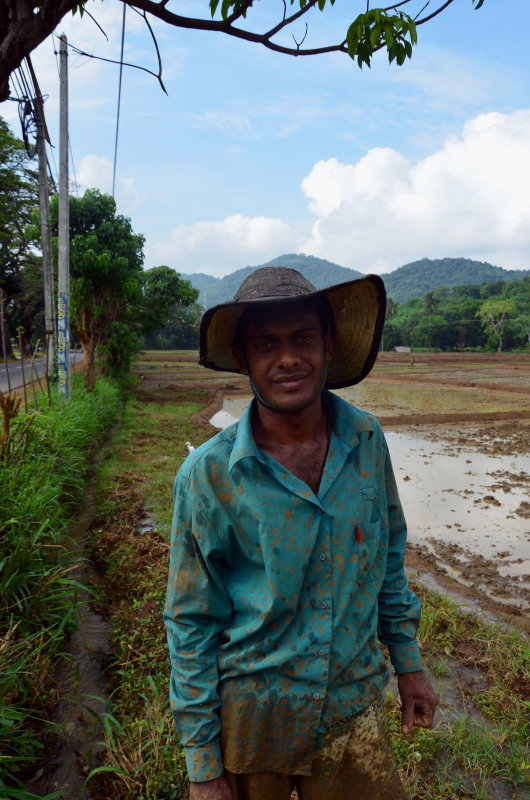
(420, 277)
(410, 280)
(320, 272)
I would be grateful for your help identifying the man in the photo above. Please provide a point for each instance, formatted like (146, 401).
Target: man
(287, 560)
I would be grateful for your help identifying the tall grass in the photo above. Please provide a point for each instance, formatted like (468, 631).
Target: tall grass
(42, 478)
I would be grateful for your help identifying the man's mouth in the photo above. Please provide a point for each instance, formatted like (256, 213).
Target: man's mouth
(289, 381)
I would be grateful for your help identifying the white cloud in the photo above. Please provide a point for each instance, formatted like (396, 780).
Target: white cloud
(218, 248)
(471, 198)
(95, 172)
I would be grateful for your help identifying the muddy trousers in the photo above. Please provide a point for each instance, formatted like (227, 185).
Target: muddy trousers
(354, 762)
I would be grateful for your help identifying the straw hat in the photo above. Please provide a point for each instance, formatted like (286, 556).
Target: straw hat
(358, 309)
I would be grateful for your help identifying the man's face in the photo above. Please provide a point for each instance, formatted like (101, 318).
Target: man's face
(286, 356)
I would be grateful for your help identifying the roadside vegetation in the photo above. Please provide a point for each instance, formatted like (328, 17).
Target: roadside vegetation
(479, 748)
(46, 454)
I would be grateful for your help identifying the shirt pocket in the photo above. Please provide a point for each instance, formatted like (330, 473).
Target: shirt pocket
(368, 506)
(368, 535)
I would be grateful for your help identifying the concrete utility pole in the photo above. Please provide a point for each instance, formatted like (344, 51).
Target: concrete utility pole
(45, 227)
(46, 236)
(63, 300)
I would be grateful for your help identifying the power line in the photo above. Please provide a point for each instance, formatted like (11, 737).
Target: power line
(119, 99)
(76, 187)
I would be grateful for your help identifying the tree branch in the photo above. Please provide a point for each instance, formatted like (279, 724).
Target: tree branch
(24, 24)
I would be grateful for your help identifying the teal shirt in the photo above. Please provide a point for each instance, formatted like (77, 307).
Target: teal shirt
(277, 597)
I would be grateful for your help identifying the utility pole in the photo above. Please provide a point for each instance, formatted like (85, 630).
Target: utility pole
(63, 300)
(45, 228)
(46, 237)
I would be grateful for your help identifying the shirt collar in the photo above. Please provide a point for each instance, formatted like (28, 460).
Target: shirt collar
(347, 423)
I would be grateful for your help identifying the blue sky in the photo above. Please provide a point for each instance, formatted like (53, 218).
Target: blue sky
(254, 154)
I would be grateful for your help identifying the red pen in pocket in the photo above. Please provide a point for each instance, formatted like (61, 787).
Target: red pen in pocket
(359, 534)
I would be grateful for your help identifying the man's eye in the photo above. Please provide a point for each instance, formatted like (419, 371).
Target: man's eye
(263, 347)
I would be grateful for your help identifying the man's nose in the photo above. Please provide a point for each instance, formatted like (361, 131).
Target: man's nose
(287, 354)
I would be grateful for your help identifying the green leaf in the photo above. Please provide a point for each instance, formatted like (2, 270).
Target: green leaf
(389, 38)
(213, 6)
(374, 35)
(352, 39)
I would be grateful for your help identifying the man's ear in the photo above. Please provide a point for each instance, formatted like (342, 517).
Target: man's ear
(236, 352)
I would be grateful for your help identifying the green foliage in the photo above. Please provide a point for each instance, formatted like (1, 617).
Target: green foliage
(377, 28)
(494, 313)
(106, 259)
(181, 331)
(40, 482)
(166, 298)
(19, 267)
(488, 316)
(114, 302)
(419, 277)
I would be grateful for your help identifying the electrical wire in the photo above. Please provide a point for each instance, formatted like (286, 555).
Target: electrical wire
(119, 100)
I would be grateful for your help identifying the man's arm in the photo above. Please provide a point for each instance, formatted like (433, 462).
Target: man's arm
(197, 610)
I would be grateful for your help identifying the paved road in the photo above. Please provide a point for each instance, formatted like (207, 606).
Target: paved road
(15, 371)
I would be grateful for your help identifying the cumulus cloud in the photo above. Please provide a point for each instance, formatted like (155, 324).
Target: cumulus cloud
(471, 198)
(95, 172)
(218, 248)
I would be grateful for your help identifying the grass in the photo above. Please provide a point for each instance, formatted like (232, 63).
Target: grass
(137, 479)
(42, 475)
(479, 748)
(482, 739)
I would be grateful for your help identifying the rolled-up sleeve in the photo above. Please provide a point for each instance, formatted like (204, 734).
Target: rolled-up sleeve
(399, 609)
(196, 612)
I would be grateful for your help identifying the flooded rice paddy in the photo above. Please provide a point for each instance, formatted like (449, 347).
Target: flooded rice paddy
(466, 503)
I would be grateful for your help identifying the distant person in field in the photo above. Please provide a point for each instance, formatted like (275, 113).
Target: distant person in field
(287, 556)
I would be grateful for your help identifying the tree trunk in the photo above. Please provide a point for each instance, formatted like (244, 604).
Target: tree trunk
(5, 341)
(88, 343)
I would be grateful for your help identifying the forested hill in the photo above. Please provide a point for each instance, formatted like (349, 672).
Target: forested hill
(411, 280)
(420, 277)
(320, 272)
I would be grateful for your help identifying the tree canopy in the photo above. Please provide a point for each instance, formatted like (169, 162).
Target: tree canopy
(491, 316)
(19, 266)
(113, 301)
(26, 23)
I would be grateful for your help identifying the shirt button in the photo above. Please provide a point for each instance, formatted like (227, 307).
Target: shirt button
(322, 556)
(323, 604)
(321, 652)
(316, 696)
(319, 511)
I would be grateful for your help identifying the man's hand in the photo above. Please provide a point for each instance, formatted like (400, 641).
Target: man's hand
(418, 700)
(218, 789)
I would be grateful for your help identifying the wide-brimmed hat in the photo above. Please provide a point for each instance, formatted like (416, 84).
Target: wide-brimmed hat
(358, 310)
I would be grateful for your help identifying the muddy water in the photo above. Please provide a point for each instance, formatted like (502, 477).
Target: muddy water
(466, 508)
(80, 684)
(467, 505)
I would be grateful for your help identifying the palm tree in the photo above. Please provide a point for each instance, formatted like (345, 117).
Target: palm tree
(430, 306)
